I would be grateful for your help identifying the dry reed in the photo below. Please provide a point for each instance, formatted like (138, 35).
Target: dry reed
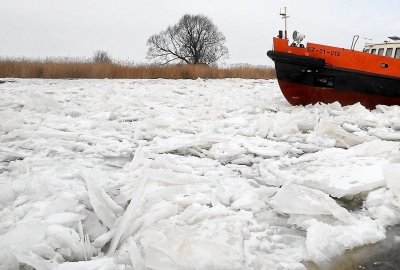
(83, 68)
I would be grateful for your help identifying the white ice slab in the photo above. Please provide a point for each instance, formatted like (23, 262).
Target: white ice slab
(337, 172)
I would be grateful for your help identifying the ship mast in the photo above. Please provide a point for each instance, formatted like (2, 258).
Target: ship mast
(284, 16)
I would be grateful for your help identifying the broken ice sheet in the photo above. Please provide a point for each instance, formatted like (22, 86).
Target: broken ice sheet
(174, 178)
(392, 175)
(23, 236)
(60, 237)
(100, 263)
(65, 217)
(343, 138)
(296, 199)
(103, 205)
(39, 100)
(195, 191)
(265, 151)
(306, 203)
(30, 258)
(384, 204)
(213, 244)
(338, 172)
(249, 201)
(181, 143)
(325, 241)
(225, 151)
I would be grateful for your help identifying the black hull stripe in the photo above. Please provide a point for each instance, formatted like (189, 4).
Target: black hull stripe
(290, 68)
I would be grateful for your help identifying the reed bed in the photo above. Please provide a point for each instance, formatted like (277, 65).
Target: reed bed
(83, 68)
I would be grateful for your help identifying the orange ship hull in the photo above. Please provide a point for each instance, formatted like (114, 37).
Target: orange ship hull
(319, 73)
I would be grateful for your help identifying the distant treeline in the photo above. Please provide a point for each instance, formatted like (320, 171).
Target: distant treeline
(63, 68)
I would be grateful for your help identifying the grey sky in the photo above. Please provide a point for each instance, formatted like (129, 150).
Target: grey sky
(76, 28)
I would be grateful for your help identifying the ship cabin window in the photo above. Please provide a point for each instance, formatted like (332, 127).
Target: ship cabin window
(397, 53)
(380, 51)
(373, 51)
(389, 52)
(366, 50)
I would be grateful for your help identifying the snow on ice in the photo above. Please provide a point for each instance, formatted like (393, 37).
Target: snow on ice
(188, 174)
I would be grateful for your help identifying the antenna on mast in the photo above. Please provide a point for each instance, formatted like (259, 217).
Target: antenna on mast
(284, 16)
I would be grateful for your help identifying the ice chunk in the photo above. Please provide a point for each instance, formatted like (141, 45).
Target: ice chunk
(383, 205)
(102, 116)
(10, 124)
(66, 217)
(336, 171)
(387, 214)
(23, 236)
(172, 162)
(284, 125)
(350, 180)
(264, 126)
(137, 159)
(7, 154)
(39, 100)
(325, 241)
(211, 244)
(103, 239)
(391, 173)
(181, 143)
(386, 135)
(102, 203)
(30, 258)
(10, 190)
(74, 111)
(127, 219)
(308, 148)
(86, 246)
(287, 129)
(196, 213)
(43, 250)
(101, 263)
(351, 128)
(226, 150)
(248, 200)
(22, 132)
(173, 178)
(305, 120)
(61, 237)
(235, 122)
(265, 192)
(158, 211)
(50, 134)
(343, 138)
(296, 199)
(93, 225)
(265, 151)
(357, 109)
(368, 121)
(137, 261)
(374, 148)
(186, 199)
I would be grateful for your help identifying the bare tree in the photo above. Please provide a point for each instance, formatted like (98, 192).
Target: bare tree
(193, 40)
(101, 57)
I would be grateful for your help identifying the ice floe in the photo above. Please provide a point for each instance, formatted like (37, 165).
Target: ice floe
(188, 174)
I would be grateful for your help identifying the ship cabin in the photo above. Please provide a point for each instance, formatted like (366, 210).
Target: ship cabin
(388, 48)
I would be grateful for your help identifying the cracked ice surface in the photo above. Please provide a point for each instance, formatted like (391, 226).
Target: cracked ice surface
(188, 174)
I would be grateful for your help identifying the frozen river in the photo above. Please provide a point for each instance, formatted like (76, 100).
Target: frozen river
(189, 174)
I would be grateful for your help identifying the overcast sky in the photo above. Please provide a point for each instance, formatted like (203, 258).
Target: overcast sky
(76, 28)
